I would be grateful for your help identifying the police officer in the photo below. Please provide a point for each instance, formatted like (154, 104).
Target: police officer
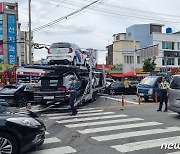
(126, 85)
(73, 95)
(164, 85)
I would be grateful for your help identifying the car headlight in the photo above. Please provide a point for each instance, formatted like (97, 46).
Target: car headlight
(150, 91)
(29, 122)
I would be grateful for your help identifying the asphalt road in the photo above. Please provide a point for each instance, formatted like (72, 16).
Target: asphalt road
(105, 127)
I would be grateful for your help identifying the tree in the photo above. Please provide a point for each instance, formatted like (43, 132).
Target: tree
(149, 65)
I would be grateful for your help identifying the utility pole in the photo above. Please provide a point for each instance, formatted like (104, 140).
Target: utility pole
(30, 41)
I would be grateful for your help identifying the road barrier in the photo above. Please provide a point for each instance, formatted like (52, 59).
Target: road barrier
(122, 100)
(139, 99)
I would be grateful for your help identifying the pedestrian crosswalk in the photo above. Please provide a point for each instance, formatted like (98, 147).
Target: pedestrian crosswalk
(105, 126)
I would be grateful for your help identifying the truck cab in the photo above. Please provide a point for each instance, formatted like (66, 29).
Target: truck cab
(148, 87)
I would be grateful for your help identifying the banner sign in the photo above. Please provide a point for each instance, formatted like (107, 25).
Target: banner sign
(11, 31)
(116, 69)
(1, 7)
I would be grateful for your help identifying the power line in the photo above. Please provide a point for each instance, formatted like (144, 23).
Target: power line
(65, 17)
(51, 10)
(124, 14)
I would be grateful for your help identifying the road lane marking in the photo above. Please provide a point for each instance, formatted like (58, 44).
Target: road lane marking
(120, 99)
(59, 150)
(91, 118)
(80, 112)
(129, 147)
(102, 122)
(81, 115)
(135, 133)
(51, 140)
(109, 128)
(176, 152)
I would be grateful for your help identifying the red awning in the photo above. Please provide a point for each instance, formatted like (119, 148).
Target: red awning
(128, 74)
(117, 75)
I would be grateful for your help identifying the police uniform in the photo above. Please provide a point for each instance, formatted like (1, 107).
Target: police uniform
(163, 97)
(126, 86)
(73, 95)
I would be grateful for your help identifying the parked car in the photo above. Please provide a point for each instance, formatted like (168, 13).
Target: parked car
(118, 88)
(17, 95)
(87, 55)
(20, 131)
(174, 94)
(66, 53)
(54, 87)
(148, 87)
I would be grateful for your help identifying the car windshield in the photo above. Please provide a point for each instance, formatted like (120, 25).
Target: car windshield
(175, 84)
(60, 45)
(148, 81)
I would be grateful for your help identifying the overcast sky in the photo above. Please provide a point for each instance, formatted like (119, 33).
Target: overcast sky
(94, 27)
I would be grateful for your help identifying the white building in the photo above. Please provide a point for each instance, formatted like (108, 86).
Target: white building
(169, 46)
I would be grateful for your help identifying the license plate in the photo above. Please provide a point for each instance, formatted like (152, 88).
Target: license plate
(141, 94)
(2, 100)
(48, 97)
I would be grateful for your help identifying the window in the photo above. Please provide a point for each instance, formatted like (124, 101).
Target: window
(163, 61)
(175, 84)
(125, 59)
(138, 59)
(168, 45)
(178, 61)
(170, 61)
(178, 45)
(128, 59)
(155, 29)
(10, 7)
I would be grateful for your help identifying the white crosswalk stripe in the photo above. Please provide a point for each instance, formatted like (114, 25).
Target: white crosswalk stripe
(176, 152)
(81, 115)
(135, 133)
(118, 127)
(90, 118)
(67, 114)
(59, 150)
(129, 147)
(102, 122)
(51, 140)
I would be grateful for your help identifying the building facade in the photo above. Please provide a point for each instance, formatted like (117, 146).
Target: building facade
(143, 33)
(8, 33)
(168, 56)
(109, 56)
(123, 54)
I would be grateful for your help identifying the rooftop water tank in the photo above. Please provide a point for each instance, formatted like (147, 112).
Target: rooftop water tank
(169, 30)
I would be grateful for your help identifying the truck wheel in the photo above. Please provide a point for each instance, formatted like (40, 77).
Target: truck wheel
(112, 92)
(8, 144)
(22, 102)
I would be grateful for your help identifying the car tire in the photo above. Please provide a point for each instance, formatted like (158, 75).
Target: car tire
(112, 92)
(9, 141)
(22, 102)
(74, 62)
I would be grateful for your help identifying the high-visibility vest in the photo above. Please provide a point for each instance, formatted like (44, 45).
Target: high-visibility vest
(164, 85)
